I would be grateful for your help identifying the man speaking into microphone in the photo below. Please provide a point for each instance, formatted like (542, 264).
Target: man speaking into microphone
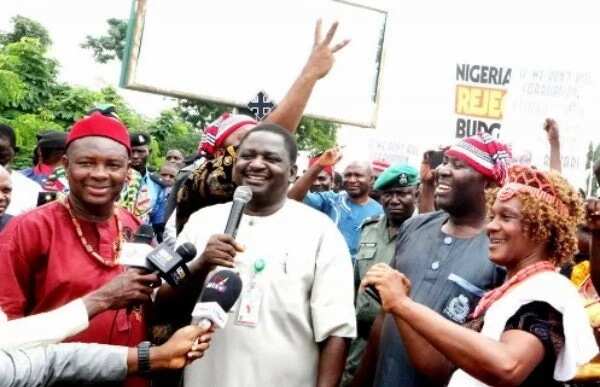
(290, 325)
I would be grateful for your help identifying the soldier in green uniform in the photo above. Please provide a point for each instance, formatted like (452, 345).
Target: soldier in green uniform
(399, 189)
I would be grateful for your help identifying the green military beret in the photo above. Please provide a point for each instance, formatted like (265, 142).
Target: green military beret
(398, 175)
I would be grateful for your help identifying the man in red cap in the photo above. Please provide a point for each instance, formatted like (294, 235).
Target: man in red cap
(68, 248)
(324, 181)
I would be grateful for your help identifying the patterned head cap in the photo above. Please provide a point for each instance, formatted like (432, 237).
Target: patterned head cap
(484, 154)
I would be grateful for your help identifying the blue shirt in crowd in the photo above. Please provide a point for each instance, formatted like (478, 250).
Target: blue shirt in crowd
(347, 215)
(158, 199)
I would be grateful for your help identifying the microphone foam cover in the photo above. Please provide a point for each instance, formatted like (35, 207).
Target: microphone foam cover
(223, 287)
(187, 251)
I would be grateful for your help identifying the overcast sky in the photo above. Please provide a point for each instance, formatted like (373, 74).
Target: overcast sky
(425, 41)
(68, 23)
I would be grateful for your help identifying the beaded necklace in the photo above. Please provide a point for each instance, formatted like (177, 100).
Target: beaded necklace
(116, 245)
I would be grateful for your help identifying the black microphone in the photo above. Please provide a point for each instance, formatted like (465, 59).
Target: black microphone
(218, 296)
(241, 197)
(170, 264)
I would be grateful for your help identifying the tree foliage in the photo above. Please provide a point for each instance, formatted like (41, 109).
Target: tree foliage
(12, 88)
(68, 104)
(27, 81)
(25, 27)
(200, 113)
(171, 131)
(27, 126)
(33, 100)
(169, 124)
(110, 46)
(316, 135)
(132, 119)
(27, 59)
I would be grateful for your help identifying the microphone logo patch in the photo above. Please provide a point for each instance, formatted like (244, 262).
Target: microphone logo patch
(218, 284)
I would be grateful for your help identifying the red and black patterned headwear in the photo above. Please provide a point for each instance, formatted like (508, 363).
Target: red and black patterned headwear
(484, 154)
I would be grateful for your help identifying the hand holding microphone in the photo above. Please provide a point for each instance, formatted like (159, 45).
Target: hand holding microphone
(186, 345)
(221, 249)
(223, 288)
(128, 288)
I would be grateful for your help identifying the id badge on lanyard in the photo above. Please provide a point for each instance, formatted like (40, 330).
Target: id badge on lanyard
(251, 298)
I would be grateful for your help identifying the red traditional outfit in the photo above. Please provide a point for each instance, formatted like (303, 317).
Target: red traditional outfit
(45, 262)
(43, 265)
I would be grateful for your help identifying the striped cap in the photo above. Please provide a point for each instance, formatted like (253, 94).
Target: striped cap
(484, 154)
(379, 166)
(218, 131)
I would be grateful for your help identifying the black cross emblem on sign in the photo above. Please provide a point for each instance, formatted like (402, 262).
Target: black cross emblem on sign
(261, 105)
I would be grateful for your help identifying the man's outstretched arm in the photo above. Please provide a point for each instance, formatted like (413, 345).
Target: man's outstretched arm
(301, 187)
(87, 363)
(289, 111)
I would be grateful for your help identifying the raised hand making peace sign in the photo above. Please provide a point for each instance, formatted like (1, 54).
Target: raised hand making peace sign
(321, 59)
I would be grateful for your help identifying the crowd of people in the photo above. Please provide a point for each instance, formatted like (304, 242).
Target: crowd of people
(469, 270)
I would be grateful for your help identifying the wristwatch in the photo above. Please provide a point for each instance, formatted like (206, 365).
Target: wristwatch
(144, 357)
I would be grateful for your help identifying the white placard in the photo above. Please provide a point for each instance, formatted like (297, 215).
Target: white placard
(229, 50)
